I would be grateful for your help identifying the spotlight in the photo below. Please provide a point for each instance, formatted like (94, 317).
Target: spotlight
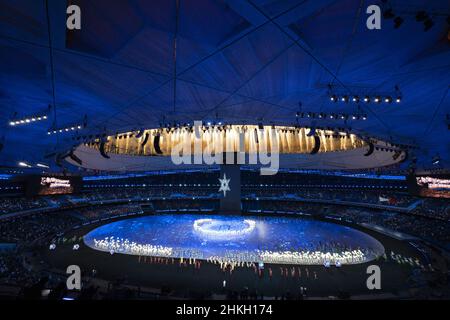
(24, 164)
(12, 123)
(364, 117)
(428, 24)
(377, 99)
(388, 99)
(398, 99)
(398, 21)
(354, 117)
(344, 99)
(355, 99)
(367, 99)
(334, 98)
(41, 165)
(321, 115)
(435, 160)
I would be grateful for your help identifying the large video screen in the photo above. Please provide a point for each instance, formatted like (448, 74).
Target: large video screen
(432, 186)
(50, 185)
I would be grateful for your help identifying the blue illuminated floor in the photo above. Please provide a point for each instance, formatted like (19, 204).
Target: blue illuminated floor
(237, 239)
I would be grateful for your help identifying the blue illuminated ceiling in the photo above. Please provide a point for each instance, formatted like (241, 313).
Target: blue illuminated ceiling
(236, 61)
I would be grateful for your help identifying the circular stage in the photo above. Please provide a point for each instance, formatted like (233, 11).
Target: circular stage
(237, 239)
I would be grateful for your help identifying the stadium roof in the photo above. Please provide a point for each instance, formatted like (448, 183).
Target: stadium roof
(236, 61)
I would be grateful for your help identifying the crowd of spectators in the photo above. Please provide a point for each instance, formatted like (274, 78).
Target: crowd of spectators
(107, 211)
(13, 270)
(415, 225)
(373, 197)
(421, 227)
(15, 204)
(184, 204)
(100, 195)
(33, 228)
(25, 232)
(192, 197)
(436, 208)
(358, 196)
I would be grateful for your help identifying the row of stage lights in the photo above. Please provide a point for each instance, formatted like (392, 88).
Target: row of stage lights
(27, 120)
(33, 119)
(70, 128)
(205, 127)
(67, 129)
(366, 99)
(332, 116)
(24, 164)
(188, 125)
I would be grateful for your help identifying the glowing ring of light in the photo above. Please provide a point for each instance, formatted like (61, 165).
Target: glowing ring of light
(199, 226)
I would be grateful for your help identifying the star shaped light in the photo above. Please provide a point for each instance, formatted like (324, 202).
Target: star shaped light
(224, 185)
